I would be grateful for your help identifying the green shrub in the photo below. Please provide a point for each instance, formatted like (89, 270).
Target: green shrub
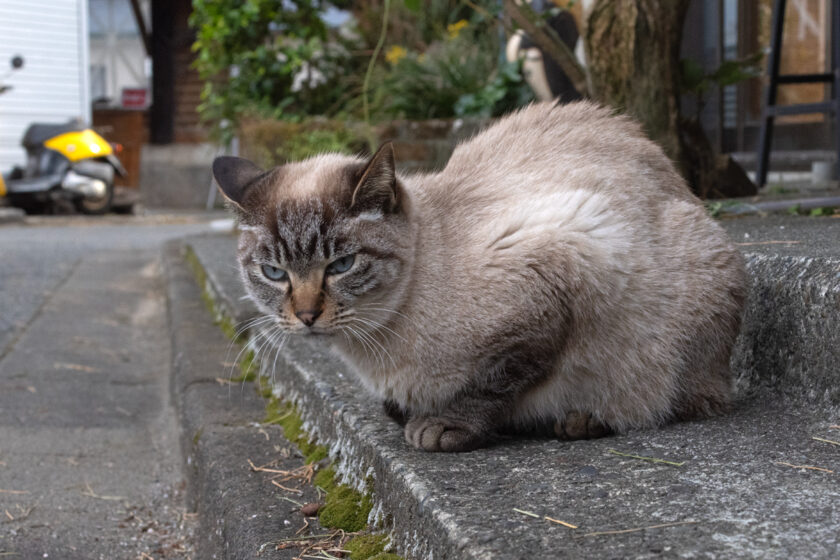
(270, 58)
(458, 76)
(274, 142)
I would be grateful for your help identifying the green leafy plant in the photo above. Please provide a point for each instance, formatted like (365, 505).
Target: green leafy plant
(822, 211)
(270, 142)
(458, 76)
(505, 92)
(694, 79)
(272, 58)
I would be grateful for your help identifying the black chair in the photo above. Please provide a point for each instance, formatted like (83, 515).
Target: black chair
(771, 110)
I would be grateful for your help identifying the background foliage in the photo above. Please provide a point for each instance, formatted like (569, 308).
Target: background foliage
(278, 59)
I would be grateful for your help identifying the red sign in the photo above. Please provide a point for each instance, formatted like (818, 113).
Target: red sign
(135, 98)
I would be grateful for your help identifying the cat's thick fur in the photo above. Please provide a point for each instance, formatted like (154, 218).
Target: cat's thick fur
(558, 270)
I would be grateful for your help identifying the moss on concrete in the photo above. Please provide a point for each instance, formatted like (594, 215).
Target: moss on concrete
(224, 322)
(248, 368)
(365, 547)
(264, 387)
(344, 507)
(286, 415)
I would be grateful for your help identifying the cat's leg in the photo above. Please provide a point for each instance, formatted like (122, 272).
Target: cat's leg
(395, 412)
(519, 353)
(453, 430)
(580, 425)
(481, 409)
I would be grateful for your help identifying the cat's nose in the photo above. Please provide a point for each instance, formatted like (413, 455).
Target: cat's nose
(308, 316)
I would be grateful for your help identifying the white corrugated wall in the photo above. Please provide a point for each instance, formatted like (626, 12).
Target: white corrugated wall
(53, 85)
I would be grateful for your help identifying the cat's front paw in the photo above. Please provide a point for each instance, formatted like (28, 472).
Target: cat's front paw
(435, 433)
(580, 425)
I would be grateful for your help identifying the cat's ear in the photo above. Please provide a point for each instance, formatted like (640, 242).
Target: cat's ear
(377, 187)
(234, 176)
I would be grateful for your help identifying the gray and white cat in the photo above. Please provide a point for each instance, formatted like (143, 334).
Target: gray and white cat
(558, 272)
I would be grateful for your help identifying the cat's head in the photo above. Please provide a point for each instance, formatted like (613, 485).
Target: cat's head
(325, 243)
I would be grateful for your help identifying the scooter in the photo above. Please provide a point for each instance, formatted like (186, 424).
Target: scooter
(64, 162)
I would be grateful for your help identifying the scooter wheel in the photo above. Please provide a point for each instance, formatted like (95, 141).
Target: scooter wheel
(96, 206)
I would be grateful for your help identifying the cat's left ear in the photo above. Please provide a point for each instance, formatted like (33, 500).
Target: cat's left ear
(377, 188)
(234, 176)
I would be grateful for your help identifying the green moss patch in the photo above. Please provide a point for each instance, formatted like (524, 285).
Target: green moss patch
(344, 508)
(365, 547)
(286, 415)
(200, 274)
(248, 368)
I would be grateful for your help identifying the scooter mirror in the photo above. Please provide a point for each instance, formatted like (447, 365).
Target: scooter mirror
(17, 62)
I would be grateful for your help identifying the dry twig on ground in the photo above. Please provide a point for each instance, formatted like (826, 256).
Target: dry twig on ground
(637, 529)
(643, 458)
(809, 467)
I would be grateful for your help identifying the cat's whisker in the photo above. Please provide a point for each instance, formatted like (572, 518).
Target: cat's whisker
(245, 348)
(274, 343)
(266, 338)
(250, 323)
(369, 350)
(379, 344)
(281, 342)
(367, 306)
(375, 345)
(377, 325)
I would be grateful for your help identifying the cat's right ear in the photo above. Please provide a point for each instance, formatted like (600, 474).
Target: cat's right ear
(377, 186)
(234, 175)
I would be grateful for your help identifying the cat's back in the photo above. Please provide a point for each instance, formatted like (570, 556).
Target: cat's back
(554, 180)
(550, 172)
(547, 149)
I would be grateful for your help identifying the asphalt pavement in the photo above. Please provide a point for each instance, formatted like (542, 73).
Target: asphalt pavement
(90, 465)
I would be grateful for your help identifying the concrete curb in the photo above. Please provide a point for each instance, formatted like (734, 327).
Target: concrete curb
(238, 510)
(10, 215)
(735, 495)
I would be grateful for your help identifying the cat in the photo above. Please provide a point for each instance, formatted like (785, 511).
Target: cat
(557, 273)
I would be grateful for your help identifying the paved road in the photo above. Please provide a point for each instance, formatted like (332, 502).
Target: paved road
(89, 459)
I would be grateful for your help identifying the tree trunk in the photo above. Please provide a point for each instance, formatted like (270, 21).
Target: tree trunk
(633, 58)
(632, 51)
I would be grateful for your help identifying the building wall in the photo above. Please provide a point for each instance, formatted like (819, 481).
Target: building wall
(117, 56)
(53, 85)
(188, 86)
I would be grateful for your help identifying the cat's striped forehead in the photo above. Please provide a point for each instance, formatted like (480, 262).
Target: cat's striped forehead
(304, 214)
(309, 230)
(301, 208)
(298, 233)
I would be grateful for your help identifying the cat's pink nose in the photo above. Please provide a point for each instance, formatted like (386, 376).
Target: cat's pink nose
(308, 316)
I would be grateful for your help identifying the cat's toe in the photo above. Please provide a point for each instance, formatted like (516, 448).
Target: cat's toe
(580, 425)
(441, 434)
(595, 428)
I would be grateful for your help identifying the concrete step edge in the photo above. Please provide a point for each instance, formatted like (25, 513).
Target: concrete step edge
(422, 529)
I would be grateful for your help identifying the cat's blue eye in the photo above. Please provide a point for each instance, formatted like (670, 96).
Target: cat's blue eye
(341, 265)
(274, 273)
